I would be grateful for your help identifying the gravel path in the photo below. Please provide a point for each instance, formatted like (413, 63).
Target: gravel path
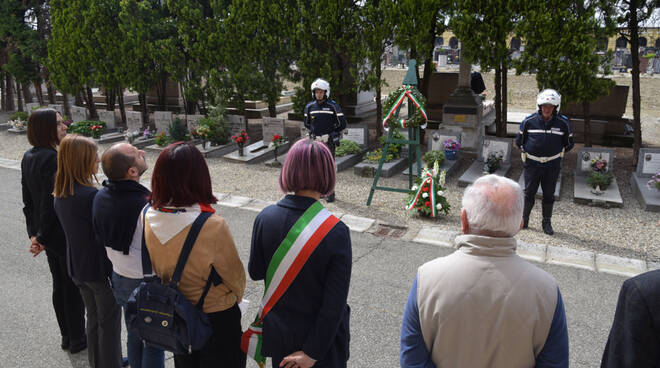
(627, 231)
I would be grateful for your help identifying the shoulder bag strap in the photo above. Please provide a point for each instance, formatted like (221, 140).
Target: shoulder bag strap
(146, 260)
(187, 247)
(291, 255)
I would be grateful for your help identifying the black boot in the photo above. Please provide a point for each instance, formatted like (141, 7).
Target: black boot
(547, 214)
(526, 211)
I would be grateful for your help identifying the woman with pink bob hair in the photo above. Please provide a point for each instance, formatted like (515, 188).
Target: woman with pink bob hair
(300, 247)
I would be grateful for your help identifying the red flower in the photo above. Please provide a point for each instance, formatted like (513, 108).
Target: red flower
(276, 137)
(425, 188)
(427, 204)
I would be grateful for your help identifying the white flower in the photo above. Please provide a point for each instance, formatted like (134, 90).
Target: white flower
(441, 193)
(425, 195)
(414, 188)
(438, 206)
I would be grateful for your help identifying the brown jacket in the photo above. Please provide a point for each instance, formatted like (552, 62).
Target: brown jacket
(214, 247)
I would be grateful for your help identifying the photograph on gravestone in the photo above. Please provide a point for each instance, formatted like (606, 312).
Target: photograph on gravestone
(650, 164)
(236, 124)
(272, 126)
(492, 146)
(162, 119)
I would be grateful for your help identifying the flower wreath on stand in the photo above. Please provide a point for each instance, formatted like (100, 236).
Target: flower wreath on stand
(394, 101)
(427, 196)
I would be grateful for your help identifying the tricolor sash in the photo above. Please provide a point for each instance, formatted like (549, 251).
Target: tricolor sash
(288, 260)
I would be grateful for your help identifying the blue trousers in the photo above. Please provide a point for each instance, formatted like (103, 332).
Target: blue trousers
(139, 355)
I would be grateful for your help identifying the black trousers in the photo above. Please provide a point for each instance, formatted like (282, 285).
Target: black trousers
(223, 348)
(67, 302)
(546, 176)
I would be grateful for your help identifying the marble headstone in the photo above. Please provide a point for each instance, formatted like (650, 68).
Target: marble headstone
(57, 108)
(358, 134)
(494, 145)
(437, 139)
(163, 119)
(108, 117)
(585, 155)
(272, 126)
(134, 121)
(78, 113)
(648, 165)
(236, 123)
(192, 122)
(582, 192)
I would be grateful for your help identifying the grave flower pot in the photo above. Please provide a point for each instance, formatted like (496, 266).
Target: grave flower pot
(451, 155)
(240, 151)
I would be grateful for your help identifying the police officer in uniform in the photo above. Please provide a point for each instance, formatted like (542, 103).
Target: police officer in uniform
(324, 118)
(543, 139)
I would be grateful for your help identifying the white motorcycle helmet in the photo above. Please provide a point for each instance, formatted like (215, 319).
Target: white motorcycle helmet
(549, 97)
(321, 84)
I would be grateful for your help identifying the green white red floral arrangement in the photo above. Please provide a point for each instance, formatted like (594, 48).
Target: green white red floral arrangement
(241, 138)
(394, 101)
(278, 140)
(427, 196)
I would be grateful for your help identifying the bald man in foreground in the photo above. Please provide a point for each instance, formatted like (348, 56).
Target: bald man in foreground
(483, 306)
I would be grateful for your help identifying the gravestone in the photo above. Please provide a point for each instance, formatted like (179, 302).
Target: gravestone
(29, 107)
(162, 119)
(582, 192)
(262, 150)
(134, 121)
(647, 166)
(436, 139)
(488, 145)
(368, 168)
(78, 114)
(108, 117)
(236, 123)
(192, 122)
(57, 108)
(358, 133)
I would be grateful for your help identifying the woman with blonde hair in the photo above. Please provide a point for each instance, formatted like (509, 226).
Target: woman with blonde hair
(45, 130)
(77, 164)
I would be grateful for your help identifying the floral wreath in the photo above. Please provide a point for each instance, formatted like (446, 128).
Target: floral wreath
(394, 101)
(427, 196)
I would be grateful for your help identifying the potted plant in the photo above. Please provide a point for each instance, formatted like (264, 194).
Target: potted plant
(278, 141)
(431, 157)
(599, 178)
(240, 140)
(493, 162)
(451, 148)
(347, 147)
(161, 139)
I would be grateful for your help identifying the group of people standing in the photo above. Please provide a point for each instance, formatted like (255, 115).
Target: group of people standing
(94, 243)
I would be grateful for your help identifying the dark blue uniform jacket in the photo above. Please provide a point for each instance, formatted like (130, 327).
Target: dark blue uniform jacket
(545, 138)
(324, 118)
(312, 315)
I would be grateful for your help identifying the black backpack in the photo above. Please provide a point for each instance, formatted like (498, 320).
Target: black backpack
(160, 314)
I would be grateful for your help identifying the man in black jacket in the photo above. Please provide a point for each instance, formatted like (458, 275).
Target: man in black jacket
(116, 217)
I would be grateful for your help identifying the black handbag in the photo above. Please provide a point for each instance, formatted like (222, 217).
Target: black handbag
(160, 314)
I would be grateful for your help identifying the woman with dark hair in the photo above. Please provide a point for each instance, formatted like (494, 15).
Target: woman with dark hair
(308, 323)
(74, 191)
(181, 191)
(45, 130)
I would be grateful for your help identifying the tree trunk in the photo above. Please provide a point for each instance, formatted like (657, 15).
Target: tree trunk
(634, 53)
(91, 106)
(498, 101)
(162, 93)
(379, 101)
(78, 100)
(272, 110)
(122, 107)
(19, 95)
(3, 89)
(27, 95)
(143, 108)
(587, 123)
(110, 99)
(66, 105)
(51, 94)
(505, 99)
(10, 93)
(40, 94)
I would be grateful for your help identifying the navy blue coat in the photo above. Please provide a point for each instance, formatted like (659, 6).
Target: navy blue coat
(324, 117)
(635, 334)
(545, 138)
(312, 315)
(86, 257)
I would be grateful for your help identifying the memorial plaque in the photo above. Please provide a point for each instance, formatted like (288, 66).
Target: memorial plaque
(491, 145)
(236, 123)
(358, 135)
(272, 126)
(650, 163)
(134, 121)
(585, 158)
(437, 139)
(163, 119)
(78, 113)
(192, 122)
(108, 117)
